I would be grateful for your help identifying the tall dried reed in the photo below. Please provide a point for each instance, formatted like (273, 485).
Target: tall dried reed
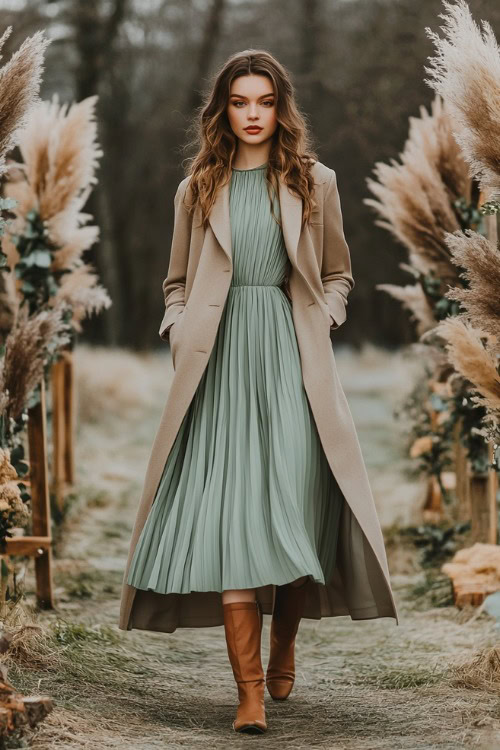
(475, 355)
(415, 197)
(465, 71)
(60, 157)
(27, 347)
(19, 86)
(480, 262)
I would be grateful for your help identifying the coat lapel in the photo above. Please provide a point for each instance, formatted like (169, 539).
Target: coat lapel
(291, 218)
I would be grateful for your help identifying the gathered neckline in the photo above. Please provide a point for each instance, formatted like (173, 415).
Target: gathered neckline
(252, 169)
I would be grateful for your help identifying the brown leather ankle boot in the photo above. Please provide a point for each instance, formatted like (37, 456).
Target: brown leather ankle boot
(287, 613)
(243, 627)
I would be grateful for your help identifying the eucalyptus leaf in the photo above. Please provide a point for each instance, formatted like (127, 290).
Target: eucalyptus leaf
(22, 468)
(52, 285)
(39, 258)
(8, 203)
(437, 402)
(30, 233)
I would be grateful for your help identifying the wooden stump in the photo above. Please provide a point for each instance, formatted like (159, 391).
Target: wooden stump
(475, 573)
(17, 711)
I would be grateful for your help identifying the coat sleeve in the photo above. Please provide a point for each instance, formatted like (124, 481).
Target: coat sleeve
(175, 283)
(336, 272)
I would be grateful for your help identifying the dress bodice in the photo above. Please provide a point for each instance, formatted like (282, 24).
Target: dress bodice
(257, 243)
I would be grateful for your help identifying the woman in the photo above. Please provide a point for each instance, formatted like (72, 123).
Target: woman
(256, 497)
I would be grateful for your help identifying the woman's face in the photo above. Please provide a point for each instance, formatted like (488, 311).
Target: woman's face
(252, 104)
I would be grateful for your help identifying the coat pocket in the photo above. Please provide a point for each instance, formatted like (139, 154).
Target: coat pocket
(175, 336)
(328, 316)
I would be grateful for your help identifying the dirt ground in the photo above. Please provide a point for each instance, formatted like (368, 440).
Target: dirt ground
(360, 685)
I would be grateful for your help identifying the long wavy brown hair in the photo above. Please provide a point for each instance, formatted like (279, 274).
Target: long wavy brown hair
(291, 154)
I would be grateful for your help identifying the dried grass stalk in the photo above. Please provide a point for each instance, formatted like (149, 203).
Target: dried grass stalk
(80, 289)
(19, 86)
(480, 262)
(483, 671)
(11, 503)
(9, 303)
(26, 350)
(466, 73)
(81, 238)
(473, 360)
(60, 156)
(415, 197)
(413, 299)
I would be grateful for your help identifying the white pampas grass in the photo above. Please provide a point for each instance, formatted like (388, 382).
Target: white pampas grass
(465, 71)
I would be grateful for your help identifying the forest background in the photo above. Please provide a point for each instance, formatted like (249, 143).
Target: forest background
(358, 70)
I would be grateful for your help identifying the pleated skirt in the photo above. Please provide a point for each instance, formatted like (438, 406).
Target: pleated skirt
(246, 497)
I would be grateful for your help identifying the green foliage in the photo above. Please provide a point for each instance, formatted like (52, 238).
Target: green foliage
(415, 407)
(442, 307)
(471, 415)
(6, 204)
(436, 542)
(458, 407)
(490, 208)
(408, 678)
(468, 215)
(433, 591)
(81, 586)
(39, 282)
(78, 635)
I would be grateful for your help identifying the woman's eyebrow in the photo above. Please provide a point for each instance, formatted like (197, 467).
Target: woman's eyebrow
(241, 96)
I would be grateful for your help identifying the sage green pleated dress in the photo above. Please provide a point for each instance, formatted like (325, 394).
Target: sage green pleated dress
(247, 497)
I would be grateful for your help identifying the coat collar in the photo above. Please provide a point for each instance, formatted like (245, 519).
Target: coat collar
(291, 219)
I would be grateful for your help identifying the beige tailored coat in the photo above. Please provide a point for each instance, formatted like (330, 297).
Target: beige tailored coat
(318, 283)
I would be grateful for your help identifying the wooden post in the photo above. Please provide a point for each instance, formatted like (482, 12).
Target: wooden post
(483, 495)
(484, 487)
(63, 418)
(462, 487)
(433, 508)
(40, 502)
(69, 414)
(58, 424)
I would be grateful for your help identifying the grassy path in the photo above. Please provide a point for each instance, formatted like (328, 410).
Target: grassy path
(363, 685)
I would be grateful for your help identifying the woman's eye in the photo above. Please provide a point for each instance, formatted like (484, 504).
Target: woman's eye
(268, 103)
